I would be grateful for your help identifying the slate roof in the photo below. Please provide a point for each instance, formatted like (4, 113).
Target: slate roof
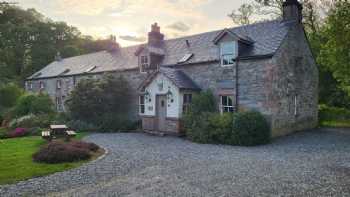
(266, 37)
(178, 77)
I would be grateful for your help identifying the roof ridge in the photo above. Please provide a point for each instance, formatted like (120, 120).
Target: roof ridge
(212, 31)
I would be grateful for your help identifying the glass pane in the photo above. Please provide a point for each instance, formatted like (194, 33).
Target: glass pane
(230, 103)
(227, 48)
(224, 100)
(142, 99)
(227, 59)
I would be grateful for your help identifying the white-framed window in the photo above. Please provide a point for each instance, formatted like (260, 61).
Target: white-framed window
(42, 85)
(187, 100)
(142, 104)
(29, 85)
(228, 53)
(226, 104)
(59, 84)
(144, 63)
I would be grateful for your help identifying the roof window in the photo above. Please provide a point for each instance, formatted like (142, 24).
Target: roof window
(185, 58)
(91, 69)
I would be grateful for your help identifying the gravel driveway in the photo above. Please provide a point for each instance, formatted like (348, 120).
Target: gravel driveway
(314, 163)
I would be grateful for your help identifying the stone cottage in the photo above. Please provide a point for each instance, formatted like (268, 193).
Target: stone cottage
(266, 66)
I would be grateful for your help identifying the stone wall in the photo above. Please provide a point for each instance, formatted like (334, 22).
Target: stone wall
(294, 96)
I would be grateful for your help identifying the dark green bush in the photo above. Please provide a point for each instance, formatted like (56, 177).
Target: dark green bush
(33, 104)
(81, 126)
(250, 129)
(102, 102)
(203, 102)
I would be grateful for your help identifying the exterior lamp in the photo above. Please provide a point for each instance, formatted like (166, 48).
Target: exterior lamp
(169, 95)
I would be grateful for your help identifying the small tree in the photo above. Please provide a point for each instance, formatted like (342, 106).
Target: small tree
(104, 103)
(33, 104)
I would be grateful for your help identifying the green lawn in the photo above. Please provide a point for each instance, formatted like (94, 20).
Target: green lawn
(16, 160)
(336, 123)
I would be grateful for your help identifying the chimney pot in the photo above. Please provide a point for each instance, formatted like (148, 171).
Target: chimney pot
(292, 10)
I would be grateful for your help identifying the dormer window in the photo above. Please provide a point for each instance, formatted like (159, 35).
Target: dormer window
(144, 63)
(228, 52)
(59, 84)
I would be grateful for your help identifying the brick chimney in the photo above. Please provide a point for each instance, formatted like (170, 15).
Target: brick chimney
(155, 38)
(292, 10)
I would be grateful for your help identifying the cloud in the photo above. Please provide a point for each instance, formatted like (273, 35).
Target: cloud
(179, 26)
(133, 38)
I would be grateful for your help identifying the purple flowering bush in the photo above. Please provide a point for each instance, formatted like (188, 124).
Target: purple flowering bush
(60, 152)
(18, 132)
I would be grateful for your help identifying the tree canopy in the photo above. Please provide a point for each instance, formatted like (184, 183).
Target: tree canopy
(29, 41)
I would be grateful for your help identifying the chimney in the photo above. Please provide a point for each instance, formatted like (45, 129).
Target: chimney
(155, 38)
(292, 10)
(58, 56)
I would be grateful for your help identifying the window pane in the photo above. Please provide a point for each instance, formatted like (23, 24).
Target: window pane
(142, 99)
(227, 48)
(230, 103)
(224, 100)
(228, 59)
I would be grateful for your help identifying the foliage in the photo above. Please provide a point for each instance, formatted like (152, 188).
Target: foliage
(85, 145)
(3, 133)
(9, 94)
(17, 163)
(334, 52)
(242, 16)
(250, 129)
(60, 152)
(334, 116)
(24, 35)
(18, 132)
(32, 121)
(33, 104)
(211, 128)
(203, 102)
(104, 103)
(79, 125)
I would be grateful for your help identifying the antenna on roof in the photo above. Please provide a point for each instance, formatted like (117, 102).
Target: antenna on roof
(188, 43)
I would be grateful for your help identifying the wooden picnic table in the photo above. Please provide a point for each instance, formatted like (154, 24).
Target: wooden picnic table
(58, 131)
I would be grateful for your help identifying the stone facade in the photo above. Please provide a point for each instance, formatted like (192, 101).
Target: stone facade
(282, 83)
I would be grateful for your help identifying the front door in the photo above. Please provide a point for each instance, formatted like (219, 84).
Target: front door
(161, 112)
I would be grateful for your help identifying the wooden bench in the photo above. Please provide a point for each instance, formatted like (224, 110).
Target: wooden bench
(46, 134)
(71, 133)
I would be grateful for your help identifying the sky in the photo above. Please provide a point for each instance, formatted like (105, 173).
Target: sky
(130, 20)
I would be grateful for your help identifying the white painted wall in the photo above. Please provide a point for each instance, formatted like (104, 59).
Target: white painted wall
(173, 108)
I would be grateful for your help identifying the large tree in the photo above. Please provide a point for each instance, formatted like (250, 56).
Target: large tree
(334, 53)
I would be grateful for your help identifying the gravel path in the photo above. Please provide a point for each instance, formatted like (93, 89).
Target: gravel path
(315, 163)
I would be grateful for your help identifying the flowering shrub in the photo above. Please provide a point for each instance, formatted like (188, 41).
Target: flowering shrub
(18, 132)
(60, 152)
(85, 145)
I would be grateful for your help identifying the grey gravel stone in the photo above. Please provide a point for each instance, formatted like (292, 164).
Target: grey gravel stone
(314, 163)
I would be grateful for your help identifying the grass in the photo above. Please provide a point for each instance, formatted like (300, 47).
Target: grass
(16, 160)
(335, 123)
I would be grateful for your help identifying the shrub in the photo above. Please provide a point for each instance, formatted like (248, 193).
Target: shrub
(333, 113)
(203, 102)
(81, 126)
(9, 94)
(33, 104)
(3, 133)
(250, 128)
(211, 128)
(85, 145)
(60, 152)
(18, 132)
(31, 120)
(101, 102)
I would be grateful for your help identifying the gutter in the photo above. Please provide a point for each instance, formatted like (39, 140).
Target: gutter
(237, 84)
